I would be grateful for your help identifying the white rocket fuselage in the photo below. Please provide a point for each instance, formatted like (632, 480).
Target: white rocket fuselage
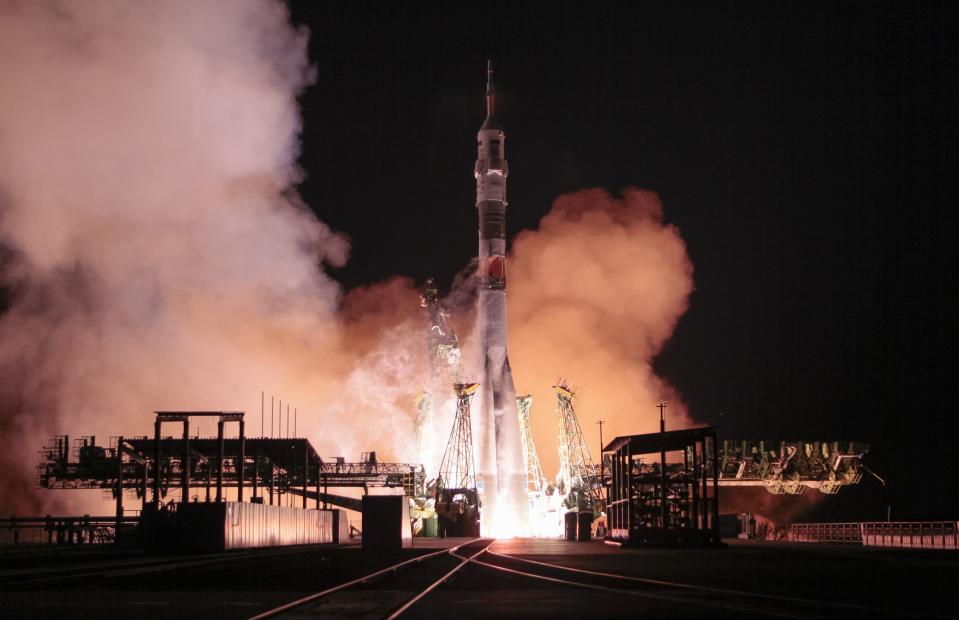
(501, 467)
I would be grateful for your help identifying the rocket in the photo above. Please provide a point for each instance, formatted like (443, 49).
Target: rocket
(501, 467)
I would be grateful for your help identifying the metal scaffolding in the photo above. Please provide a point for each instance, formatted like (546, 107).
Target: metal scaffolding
(577, 477)
(443, 347)
(458, 469)
(664, 488)
(790, 467)
(206, 466)
(535, 480)
(443, 354)
(457, 498)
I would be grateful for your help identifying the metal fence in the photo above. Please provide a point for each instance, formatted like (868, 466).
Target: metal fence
(61, 530)
(825, 532)
(905, 534)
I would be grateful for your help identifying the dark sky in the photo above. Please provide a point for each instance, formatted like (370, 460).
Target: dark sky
(807, 153)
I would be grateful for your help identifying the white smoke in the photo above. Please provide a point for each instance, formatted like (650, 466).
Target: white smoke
(595, 293)
(156, 255)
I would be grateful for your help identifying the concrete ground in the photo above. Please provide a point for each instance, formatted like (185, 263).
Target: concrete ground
(833, 581)
(900, 582)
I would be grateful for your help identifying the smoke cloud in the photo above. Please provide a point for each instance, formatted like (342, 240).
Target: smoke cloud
(594, 294)
(155, 255)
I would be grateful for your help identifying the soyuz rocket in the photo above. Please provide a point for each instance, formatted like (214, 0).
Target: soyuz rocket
(500, 463)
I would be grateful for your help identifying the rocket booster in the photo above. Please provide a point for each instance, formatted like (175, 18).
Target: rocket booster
(500, 462)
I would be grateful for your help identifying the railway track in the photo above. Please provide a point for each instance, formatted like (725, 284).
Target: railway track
(17, 578)
(386, 594)
(421, 575)
(685, 594)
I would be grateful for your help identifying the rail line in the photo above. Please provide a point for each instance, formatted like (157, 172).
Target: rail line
(646, 595)
(451, 551)
(478, 552)
(684, 594)
(814, 605)
(136, 566)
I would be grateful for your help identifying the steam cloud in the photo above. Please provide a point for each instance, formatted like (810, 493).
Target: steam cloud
(156, 257)
(594, 295)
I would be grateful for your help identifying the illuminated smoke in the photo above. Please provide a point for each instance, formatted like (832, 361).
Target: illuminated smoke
(775, 510)
(157, 257)
(594, 294)
(384, 339)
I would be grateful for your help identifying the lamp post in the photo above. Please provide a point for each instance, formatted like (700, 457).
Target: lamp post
(664, 508)
(602, 464)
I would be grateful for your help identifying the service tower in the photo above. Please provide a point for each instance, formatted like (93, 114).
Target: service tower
(502, 473)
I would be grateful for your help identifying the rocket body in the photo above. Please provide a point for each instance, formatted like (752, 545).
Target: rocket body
(501, 467)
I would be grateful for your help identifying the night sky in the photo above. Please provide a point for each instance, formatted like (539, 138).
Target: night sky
(807, 153)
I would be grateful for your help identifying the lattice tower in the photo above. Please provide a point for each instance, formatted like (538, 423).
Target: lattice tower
(577, 474)
(443, 354)
(443, 347)
(535, 480)
(458, 469)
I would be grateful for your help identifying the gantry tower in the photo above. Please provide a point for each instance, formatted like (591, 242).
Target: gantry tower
(443, 354)
(443, 347)
(535, 480)
(577, 476)
(458, 469)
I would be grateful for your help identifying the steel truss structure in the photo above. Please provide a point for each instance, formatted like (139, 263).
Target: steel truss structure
(443, 354)
(577, 478)
(457, 498)
(535, 480)
(268, 467)
(458, 469)
(663, 488)
(789, 467)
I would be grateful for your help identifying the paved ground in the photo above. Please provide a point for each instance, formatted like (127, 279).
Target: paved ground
(917, 582)
(230, 586)
(920, 583)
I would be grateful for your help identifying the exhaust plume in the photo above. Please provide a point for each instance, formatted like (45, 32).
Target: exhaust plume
(595, 292)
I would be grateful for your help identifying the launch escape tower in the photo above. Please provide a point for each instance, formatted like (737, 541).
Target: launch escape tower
(457, 500)
(535, 480)
(577, 476)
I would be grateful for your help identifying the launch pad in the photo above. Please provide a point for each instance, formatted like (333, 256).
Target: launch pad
(489, 479)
